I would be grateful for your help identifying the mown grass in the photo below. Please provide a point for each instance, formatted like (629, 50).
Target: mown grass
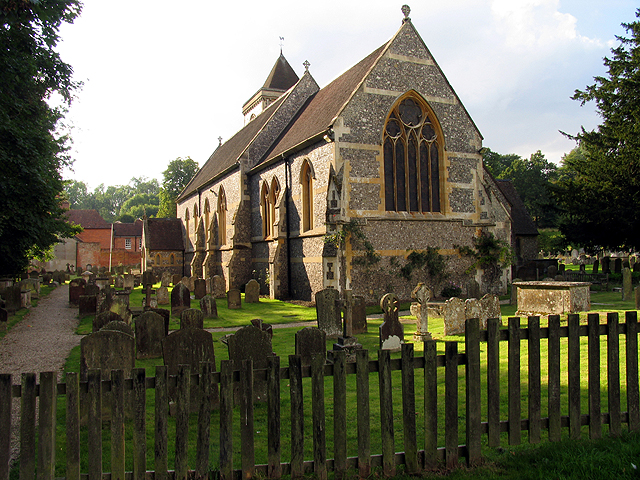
(505, 462)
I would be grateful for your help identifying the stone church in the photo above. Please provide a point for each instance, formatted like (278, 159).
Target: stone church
(335, 186)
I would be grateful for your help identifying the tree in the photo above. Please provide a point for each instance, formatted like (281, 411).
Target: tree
(32, 152)
(497, 163)
(177, 175)
(600, 198)
(139, 205)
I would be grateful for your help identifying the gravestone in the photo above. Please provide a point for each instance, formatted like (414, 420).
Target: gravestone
(32, 284)
(12, 297)
(328, 312)
(165, 314)
(627, 287)
(165, 281)
(128, 281)
(190, 346)
(310, 341)
(103, 318)
(606, 265)
(422, 294)
(561, 268)
(192, 283)
(347, 342)
(119, 282)
(219, 287)
(150, 333)
(199, 288)
(120, 305)
(180, 299)
(25, 298)
(147, 278)
(472, 309)
(208, 306)
(617, 265)
(513, 300)
(107, 350)
(175, 279)
(473, 288)
(265, 327)
(596, 266)
(359, 315)
(552, 271)
(252, 343)
(87, 305)
(391, 330)
(91, 289)
(252, 292)
(191, 318)
(581, 268)
(120, 326)
(103, 281)
(162, 296)
(454, 316)
(489, 308)
(185, 282)
(234, 299)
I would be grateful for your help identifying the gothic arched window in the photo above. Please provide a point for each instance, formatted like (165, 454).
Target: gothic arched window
(306, 181)
(222, 217)
(265, 208)
(207, 211)
(413, 145)
(274, 193)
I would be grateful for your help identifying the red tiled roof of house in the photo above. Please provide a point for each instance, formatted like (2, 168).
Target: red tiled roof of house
(127, 229)
(87, 218)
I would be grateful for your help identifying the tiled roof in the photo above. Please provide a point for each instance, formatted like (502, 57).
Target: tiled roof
(522, 222)
(127, 229)
(282, 76)
(87, 218)
(164, 234)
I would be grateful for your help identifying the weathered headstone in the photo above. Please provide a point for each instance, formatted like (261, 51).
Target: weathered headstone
(359, 315)
(219, 287)
(561, 268)
(103, 318)
(165, 314)
(175, 279)
(162, 296)
(25, 298)
(606, 265)
(582, 268)
(128, 282)
(191, 318)
(148, 278)
(627, 287)
(265, 327)
(165, 281)
(252, 292)
(120, 326)
(87, 305)
(199, 288)
(422, 294)
(119, 282)
(472, 309)
(180, 299)
(234, 299)
(102, 281)
(150, 333)
(489, 308)
(328, 312)
(32, 284)
(12, 297)
(454, 316)
(310, 341)
(208, 306)
(252, 343)
(190, 346)
(617, 265)
(107, 350)
(391, 330)
(595, 266)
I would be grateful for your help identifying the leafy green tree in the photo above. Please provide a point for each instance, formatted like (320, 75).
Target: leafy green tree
(497, 163)
(139, 205)
(32, 152)
(600, 199)
(177, 175)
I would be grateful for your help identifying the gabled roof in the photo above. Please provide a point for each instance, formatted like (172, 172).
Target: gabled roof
(128, 229)
(522, 222)
(87, 218)
(164, 234)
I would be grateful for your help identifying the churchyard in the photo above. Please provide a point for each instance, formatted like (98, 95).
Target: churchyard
(390, 389)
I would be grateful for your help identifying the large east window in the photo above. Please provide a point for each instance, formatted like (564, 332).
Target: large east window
(412, 143)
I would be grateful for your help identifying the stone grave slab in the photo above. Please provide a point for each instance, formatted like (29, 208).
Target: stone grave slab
(454, 316)
(162, 296)
(329, 312)
(191, 318)
(103, 318)
(150, 333)
(250, 342)
(234, 299)
(199, 288)
(310, 341)
(391, 331)
(180, 299)
(87, 305)
(107, 350)
(208, 306)
(252, 292)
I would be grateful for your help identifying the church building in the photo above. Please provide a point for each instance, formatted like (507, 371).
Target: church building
(336, 186)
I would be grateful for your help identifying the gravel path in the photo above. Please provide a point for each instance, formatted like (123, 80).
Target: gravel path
(39, 343)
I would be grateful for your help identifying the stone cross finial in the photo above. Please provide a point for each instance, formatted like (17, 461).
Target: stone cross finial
(219, 141)
(406, 10)
(306, 65)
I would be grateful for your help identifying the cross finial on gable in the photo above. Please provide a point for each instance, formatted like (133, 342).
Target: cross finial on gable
(219, 141)
(406, 10)
(306, 65)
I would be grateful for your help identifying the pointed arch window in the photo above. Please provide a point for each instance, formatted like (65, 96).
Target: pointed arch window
(186, 222)
(265, 207)
(306, 181)
(413, 144)
(274, 193)
(222, 217)
(158, 259)
(207, 211)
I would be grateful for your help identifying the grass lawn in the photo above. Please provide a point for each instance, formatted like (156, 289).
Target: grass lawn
(505, 462)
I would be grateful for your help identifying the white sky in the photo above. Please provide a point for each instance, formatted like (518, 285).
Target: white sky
(165, 79)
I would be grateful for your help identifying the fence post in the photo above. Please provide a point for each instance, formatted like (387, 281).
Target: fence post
(226, 420)
(363, 411)
(613, 374)
(493, 381)
(430, 404)
(117, 424)
(204, 421)
(94, 423)
(595, 417)
(247, 445)
(273, 407)
(161, 454)
(472, 390)
(139, 424)
(534, 379)
(631, 344)
(554, 378)
(318, 417)
(339, 414)
(5, 424)
(183, 386)
(386, 413)
(297, 416)
(409, 411)
(451, 403)
(573, 350)
(515, 407)
(47, 425)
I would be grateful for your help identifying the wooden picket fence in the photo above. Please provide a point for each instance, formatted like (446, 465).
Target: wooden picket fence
(479, 381)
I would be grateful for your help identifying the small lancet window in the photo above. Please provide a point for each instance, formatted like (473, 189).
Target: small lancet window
(265, 207)
(412, 142)
(306, 181)
(222, 217)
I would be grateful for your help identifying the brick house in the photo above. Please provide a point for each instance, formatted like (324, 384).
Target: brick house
(94, 240)
(127, 244)
(384, 160)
